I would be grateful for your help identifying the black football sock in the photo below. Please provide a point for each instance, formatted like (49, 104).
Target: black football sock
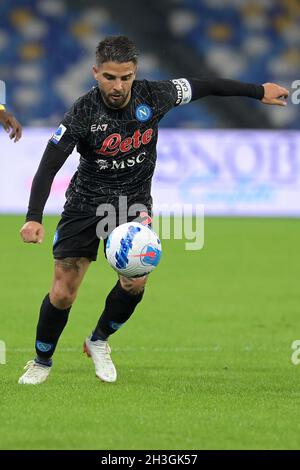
(51, 323)
(119, 306)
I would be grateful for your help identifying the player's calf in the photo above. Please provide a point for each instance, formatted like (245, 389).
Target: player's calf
(119, 306)
(54, 313)
(68, 275)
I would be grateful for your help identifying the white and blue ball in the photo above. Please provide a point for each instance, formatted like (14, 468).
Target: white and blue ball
(133, 249)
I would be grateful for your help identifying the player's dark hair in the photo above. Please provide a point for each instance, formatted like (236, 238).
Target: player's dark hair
(116, 49)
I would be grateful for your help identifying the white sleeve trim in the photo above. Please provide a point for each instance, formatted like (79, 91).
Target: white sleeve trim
(184, 91)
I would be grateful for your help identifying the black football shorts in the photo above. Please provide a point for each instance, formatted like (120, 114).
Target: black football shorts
(77, 234)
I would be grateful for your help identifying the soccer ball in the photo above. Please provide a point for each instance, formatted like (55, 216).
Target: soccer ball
(133, 249)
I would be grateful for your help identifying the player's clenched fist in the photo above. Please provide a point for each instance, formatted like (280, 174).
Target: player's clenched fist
(275, 94)
(32, 232)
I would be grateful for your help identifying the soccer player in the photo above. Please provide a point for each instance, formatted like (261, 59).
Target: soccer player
(10, 124)
(115, 128)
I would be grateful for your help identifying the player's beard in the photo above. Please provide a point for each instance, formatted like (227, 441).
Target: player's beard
(115, 100)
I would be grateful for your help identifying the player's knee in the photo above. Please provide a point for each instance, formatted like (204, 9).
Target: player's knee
(62, 296)
(133, 286)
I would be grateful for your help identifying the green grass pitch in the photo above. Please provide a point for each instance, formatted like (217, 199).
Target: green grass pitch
(204, 363)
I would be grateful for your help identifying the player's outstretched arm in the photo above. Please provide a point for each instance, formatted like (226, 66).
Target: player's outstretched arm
(32, 232)
(268, 93)
(10, 124)
(275, 94)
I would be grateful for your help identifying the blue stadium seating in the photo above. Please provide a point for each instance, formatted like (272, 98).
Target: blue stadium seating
(255, 41)
(46, 52)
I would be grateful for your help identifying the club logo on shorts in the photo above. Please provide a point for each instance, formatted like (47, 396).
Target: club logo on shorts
(143, 113)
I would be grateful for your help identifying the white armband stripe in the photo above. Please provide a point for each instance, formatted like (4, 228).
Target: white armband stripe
(184, 91)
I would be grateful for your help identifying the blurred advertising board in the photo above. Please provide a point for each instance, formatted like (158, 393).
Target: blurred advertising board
(230, 172)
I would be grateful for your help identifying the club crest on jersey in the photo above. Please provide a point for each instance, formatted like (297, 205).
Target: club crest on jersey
(58, 134)
(143, 113)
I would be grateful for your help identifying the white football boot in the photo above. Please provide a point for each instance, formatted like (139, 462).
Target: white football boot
(100, 351)
(35, 373)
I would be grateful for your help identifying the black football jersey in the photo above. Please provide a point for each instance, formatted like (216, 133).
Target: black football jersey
(117, 147)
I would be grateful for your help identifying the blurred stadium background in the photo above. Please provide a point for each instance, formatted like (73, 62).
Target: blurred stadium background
(230, 383)
(47, 47)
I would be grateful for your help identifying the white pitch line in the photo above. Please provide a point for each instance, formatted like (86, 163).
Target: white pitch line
(126, 349)
(158, 349)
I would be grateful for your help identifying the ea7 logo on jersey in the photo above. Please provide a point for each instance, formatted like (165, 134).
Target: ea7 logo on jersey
(184, 91)
(99, 127)
(58, 134)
